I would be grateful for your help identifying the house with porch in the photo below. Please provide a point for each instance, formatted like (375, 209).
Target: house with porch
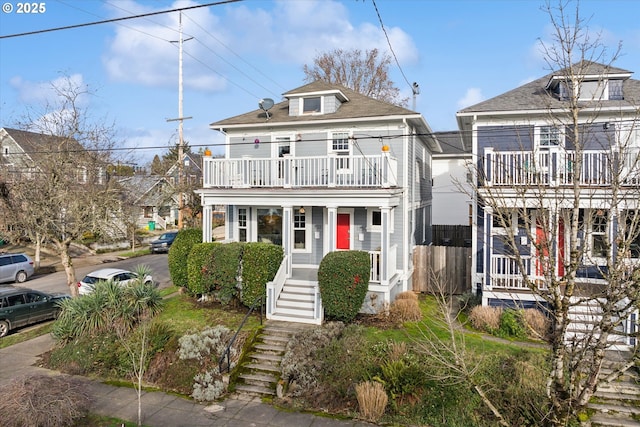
(326, 169)
(540, 170)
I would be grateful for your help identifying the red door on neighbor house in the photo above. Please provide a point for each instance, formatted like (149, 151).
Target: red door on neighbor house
(342, 232)
(542, 249)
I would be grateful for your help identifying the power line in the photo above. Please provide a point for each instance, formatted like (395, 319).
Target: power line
(124, 18)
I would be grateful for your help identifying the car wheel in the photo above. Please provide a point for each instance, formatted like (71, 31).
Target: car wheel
(4, 328)
(21, 277)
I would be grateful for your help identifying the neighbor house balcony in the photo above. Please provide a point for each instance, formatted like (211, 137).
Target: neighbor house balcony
(554, 167)
(375, 171)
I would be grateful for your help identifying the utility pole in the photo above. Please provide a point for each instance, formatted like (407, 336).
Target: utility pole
(180, 121)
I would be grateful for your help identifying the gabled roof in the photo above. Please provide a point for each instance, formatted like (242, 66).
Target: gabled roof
(35, 144)
(452, 144)
(142, 186)
(195, 163)
(534, 96)
(355, 106)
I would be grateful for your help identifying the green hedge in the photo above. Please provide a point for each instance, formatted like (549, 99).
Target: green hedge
(179, 254)
(260, 263)
(343, 278)
(221, 271)
(197, 268)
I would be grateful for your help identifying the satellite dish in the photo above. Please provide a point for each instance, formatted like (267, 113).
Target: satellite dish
(266, 104)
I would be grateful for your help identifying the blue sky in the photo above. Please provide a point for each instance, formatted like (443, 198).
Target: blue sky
(460, 52)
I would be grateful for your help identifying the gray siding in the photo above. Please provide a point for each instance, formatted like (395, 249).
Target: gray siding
(246, 146)
(312, 144)
(294, 106)
(505, 138)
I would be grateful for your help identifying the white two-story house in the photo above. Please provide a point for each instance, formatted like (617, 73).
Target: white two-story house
(532, 162)
(326, 169)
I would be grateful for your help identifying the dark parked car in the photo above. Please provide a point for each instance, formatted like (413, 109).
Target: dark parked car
(15, 267)
(164, 242)
(23, 306)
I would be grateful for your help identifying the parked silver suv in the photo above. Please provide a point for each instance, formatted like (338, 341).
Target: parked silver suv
(15, 267)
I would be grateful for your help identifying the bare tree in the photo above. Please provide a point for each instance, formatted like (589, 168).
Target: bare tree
(64, 191)
(364, 72)
(582, 219)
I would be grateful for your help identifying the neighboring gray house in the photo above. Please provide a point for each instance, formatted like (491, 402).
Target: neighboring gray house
(523, 147)
(326, 169)
(155, 200)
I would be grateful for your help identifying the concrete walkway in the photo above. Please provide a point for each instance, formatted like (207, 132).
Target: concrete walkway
(162, 409)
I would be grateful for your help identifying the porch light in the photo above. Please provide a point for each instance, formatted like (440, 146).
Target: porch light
(301, 210)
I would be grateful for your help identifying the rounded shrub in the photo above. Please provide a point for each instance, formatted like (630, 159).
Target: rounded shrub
(197, 268)
(213, 270)
(179, 254)
(260, 263)
(343, 278)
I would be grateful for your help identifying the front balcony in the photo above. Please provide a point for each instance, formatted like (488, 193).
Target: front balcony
(375, 171)
(554, 167)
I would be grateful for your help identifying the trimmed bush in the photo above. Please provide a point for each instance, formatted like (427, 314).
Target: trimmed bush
(512, 324)
(198, 262)
(179, 254)
(260, 263)
(343, 278)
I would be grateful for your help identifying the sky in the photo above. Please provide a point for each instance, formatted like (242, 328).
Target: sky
(460, 52)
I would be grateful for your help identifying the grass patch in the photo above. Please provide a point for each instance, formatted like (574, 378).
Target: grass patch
(136, 253)
(26, 334)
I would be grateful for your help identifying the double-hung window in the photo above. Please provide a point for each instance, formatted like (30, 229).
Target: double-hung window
(312, 105)
(599, 234)
(242, 224)
(301, 229)
(550, 136)
(340, 145)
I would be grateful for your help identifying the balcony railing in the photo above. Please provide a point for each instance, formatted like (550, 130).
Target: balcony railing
(376, 258)
(556, 168)
(505, 272)
(378, 171)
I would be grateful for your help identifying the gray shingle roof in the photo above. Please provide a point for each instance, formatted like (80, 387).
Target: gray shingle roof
(36, 143)
(452, 143)
(534, 96)
(357, 106)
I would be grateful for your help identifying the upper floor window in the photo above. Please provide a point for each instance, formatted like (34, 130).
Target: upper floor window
(615, 90)
(340, 145)
(311, 105)
(550, 136)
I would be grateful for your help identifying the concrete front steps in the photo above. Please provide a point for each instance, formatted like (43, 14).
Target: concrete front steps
(260, 375)
(618, 402)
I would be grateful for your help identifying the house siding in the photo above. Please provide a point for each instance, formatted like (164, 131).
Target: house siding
(245, 146)
(505, 138)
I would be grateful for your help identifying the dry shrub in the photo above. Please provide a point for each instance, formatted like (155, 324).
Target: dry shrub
(537, 323)
(405, 310)
(372, 400)
(43, 401)
(485, 318)
(397, 350)
(407, 295)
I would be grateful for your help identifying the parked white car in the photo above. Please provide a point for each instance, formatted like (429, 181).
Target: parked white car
(122, 277)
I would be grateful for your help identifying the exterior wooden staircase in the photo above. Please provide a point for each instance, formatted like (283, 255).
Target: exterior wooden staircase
(617, 403)
(259, 377)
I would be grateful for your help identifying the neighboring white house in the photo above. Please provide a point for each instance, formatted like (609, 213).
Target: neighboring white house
(452, 192)
(326, 169)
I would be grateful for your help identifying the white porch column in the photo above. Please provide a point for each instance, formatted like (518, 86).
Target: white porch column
(385, 246)
(207, 217)
(332, 227)
(287, 235)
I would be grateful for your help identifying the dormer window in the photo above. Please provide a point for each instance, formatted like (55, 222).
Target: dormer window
(312, 105)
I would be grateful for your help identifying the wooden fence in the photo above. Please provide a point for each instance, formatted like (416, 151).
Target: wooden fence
(449, 265)
(451, 235)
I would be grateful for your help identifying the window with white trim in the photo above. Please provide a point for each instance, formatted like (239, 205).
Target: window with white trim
(599, 234)
(550, 136)
(312, 105)
(301, 230)
(341, 146)
(374, 220)
(242, 224)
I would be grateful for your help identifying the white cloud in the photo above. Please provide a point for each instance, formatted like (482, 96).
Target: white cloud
(290, 32)
(47, 93)
(471, 97)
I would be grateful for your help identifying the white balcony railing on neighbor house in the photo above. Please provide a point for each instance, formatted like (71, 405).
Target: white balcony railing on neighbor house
(376, 258)
(550, 167)
(376, 171)
(505, 272)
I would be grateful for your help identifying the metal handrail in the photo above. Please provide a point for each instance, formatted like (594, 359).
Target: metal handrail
(227, 352)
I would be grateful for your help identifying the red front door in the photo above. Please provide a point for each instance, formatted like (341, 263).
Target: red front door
(342, 232)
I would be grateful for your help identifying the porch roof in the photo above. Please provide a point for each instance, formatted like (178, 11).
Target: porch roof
(294, 197)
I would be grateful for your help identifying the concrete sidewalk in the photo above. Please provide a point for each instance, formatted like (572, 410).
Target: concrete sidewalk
(162, 409)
